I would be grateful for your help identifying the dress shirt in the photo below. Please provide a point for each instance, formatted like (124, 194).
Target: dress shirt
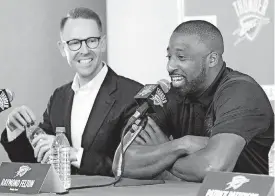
(83, 102)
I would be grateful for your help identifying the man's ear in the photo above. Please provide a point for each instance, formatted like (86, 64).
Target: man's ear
(213, 59)
(103, 43)
(61, 46)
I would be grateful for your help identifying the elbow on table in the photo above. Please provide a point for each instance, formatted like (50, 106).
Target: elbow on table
(216, 167)
(221, 166)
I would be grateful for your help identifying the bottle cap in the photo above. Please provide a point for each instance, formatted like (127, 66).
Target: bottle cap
(60, 130)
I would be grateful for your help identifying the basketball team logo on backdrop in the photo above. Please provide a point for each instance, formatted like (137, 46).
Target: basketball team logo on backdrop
(252, 18)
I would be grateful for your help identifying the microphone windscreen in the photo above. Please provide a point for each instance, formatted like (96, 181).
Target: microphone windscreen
(165, 85)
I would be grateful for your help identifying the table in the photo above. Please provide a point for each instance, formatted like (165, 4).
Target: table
(173, 188)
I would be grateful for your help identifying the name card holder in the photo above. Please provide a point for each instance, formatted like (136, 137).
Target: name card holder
(29, 178)
(236, 184)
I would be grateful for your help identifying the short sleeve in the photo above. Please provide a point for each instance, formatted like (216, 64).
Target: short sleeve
(242, 108)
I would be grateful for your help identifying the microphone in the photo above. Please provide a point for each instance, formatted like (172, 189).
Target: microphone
(165, 85)
(6, 97)
(150, 97)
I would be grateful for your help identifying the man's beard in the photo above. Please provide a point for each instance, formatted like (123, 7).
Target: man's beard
(193, 86)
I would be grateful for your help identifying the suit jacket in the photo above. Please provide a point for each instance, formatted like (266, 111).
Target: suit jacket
(113, 106)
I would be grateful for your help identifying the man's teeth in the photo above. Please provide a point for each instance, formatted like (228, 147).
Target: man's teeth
(85, 60)
(177, 78)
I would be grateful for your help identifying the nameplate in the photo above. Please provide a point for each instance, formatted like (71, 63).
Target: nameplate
(236, 184)
(29, 178)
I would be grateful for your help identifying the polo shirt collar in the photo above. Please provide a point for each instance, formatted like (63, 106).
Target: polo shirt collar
(206, 97)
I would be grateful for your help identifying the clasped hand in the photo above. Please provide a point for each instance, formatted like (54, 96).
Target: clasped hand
(153, 135)
(150, 135)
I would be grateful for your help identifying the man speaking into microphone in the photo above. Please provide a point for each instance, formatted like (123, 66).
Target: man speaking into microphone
(216, 119)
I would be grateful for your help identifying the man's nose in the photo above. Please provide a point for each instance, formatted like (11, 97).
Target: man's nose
(84, 48)
(171, 65)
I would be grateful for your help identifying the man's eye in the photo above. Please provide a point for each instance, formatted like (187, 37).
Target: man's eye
(182, 58)
(73, 42)
(92, 40)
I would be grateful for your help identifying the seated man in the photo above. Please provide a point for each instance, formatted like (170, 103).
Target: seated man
(93, 108)
(216, 119)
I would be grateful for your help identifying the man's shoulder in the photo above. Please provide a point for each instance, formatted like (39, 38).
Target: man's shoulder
(125, 89)
(127, 85)
(239, 89)
(124, 82)
(237, 77)
(240, 83)
(63, 88)
(127, 82)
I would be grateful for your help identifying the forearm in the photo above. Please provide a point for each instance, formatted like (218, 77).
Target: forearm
(191, 168)
(12, 135)
(148, 161)
(194, 167)
(220, 154)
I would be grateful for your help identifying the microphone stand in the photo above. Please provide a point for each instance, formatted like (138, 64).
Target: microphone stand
(123, 148)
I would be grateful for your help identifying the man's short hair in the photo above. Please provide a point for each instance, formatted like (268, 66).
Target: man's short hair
(206, 32)
(81, 12)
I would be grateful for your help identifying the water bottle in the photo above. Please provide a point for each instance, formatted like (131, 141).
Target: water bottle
(60, 157)
(271, 161)
(32, 131)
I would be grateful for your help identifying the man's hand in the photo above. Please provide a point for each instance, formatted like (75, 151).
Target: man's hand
(19, 118)
(42, 147)
(151, 135)
(192, 143)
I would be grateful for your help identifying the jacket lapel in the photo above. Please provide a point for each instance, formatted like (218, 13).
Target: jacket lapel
(102, 106)
(67, 114)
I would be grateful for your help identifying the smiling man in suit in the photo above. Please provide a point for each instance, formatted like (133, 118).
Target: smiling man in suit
(93, 108)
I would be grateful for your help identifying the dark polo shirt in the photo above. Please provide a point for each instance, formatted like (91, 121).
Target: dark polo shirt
(234, 103)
